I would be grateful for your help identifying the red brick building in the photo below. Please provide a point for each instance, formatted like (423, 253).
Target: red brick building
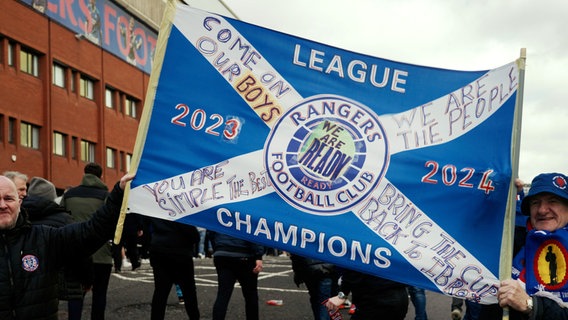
(65, 100)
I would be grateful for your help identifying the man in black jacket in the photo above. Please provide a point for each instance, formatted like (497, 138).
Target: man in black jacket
(171, 258)
(236, 260)
(41, 209)
(32, 255)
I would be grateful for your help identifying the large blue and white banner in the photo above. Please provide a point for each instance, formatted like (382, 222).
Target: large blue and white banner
(393, 169)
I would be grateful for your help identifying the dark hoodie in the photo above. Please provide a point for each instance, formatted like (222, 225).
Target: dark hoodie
(46, 212)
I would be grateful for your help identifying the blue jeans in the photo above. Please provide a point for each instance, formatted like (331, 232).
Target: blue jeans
(418, 298)
(201, 245)
(320, 290)
(178, 291)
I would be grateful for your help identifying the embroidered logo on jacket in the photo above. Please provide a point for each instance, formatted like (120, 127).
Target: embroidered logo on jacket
(30, 263)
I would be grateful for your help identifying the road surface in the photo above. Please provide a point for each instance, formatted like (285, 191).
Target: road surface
(130, 295)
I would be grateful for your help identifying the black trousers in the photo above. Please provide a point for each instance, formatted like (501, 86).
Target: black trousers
(167, 272)
(230, 270)
(391, 304)
(100, 287)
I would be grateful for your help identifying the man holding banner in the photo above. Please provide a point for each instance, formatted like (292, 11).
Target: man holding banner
(33, 255)
(540, 290)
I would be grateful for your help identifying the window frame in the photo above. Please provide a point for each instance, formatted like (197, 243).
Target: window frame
(130, 107)
(87, 87)
(128, 161)
(11, 53)
(59, 144)
(29, 62)
(11, 130)
(58, 78)
(110, 97)
(110, 157)
(87, 151)
(73, 150)
(29, 135)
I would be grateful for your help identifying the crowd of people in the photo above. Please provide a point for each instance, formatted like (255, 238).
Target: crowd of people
(59, 248)
(40, 257)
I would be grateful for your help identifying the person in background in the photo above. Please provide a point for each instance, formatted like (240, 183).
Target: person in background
(58, 199)
(145, 241)
(43, 210)
(456, 308)
(201, 254)
(179, 294)
(128, 245)
(375, 297)
(521, 220)
(82, 201)
(536, 290)
(418, 298)
(20, 180)
(34, 254)
(236, 260)
(320, 279)
(171, 258)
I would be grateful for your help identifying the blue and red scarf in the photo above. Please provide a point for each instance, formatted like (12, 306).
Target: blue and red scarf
(542, 263)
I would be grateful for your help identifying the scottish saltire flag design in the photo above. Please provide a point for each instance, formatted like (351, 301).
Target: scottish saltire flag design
(393, 169)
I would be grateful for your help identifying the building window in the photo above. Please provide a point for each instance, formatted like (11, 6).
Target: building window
(121, 160)
(87, 151)
(130, 107)
(128, 160)
(29, 135)
(58, 75)
(73, 147)
(86, 88)
(11, 49)
(59, 140)
(73, 80)
(111, 158)
(109, 98)
(29, 62)
(11, 130)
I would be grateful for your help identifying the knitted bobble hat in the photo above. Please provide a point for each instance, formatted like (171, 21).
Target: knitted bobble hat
(42, 188)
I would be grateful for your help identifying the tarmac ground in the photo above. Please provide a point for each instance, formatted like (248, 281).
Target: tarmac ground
(130, 295)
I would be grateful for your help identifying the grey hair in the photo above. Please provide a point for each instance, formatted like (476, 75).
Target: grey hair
(15, 174)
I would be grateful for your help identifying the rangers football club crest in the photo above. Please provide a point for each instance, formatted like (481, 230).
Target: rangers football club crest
(30, 263)
(326, 154)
